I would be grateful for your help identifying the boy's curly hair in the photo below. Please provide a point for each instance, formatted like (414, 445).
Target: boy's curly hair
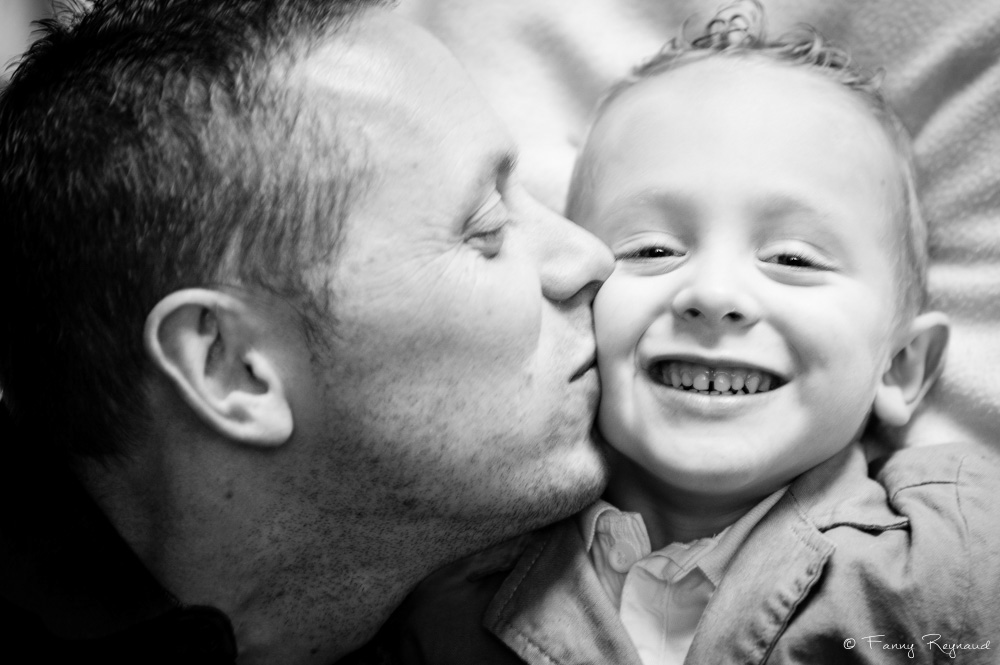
(740, 29)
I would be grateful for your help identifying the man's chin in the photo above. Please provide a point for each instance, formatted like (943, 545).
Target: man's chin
(580, 485)
(551, 490)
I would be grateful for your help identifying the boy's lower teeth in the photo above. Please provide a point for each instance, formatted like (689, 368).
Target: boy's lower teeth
(713, 392)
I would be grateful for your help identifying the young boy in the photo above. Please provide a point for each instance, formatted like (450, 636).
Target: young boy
(767, 305)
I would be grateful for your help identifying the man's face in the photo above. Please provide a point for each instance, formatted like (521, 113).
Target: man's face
(460, 383)
(750, 316)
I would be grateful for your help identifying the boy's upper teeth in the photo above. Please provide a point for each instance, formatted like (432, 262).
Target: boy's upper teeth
(714, 380)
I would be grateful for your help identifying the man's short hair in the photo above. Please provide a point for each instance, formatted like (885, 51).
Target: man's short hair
(738, 30)
(148, 147)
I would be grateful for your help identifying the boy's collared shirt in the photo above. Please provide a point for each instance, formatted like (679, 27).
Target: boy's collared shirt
(660, 595)
(905, 551)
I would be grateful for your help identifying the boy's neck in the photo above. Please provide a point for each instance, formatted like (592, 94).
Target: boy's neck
(671, 515)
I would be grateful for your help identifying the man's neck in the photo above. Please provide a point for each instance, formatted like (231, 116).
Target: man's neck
(308, 592)
(329, 599)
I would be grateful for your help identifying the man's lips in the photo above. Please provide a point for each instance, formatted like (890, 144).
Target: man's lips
(720, 380)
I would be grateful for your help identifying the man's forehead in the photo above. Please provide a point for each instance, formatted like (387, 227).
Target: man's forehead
(378, 58)
(391, 82)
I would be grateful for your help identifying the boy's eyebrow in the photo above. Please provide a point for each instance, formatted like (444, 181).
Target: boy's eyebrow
(795, 213)
(784, 204)
(784, 212)
(679, 205)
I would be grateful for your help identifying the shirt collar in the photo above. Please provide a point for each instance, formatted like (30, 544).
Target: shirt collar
(837, 492)
(716, 561)
(712, 555)
(587, 520)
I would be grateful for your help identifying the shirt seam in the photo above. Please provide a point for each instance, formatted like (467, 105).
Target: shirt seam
(517, 583)
(810, 583)
(521, 636)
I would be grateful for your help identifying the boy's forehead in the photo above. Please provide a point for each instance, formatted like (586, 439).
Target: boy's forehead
(743, 108)
(738, 83)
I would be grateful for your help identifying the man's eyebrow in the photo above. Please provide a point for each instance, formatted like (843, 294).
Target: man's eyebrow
(498, 168)
(504, 164)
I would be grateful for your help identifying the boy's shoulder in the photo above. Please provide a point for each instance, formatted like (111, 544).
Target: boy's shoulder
(909, 489)
(914, 552)
(902, 551)
(926, 511)
(947, 493)
(968, 467)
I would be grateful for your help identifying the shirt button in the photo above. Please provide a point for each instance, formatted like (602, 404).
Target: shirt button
(623, 556)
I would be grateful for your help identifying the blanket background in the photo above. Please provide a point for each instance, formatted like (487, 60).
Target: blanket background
(543, 64)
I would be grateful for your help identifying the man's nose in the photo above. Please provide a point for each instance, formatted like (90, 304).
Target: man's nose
(717, 295)
(572, 260)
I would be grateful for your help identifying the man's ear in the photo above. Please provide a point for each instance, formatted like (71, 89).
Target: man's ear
(913, 369)
(209, 344)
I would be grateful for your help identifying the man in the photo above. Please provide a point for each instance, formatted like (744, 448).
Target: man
(277, 301)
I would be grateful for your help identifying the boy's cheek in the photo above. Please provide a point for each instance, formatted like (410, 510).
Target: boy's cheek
(626, 307)
(616, 415)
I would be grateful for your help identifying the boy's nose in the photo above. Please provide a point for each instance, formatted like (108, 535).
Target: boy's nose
(716, 301)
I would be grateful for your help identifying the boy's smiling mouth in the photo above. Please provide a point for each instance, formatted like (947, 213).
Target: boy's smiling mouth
(731, 380)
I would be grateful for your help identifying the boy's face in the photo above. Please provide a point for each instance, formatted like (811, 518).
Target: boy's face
(748, 205)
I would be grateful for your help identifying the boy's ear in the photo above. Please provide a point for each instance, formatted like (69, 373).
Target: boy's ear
(209, 344)
(913, 369)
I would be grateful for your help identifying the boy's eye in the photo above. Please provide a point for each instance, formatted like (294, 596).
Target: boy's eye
(649, 253)
(796, 254)
(799, 264)
(793, 261)
(652, 252)
(651, 249)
